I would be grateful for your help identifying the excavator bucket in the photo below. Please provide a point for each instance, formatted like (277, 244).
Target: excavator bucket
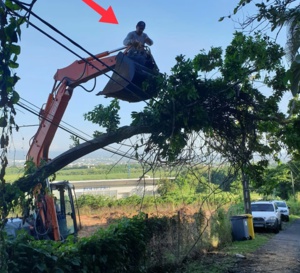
(133, 79)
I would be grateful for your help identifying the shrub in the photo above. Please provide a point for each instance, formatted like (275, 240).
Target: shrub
(221, 228)
(120, 248)
(294, 206)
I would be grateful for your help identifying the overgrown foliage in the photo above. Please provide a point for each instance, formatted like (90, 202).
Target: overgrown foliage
(9, 51)
(120, 248)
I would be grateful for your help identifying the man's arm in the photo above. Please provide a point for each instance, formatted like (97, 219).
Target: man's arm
(128, 40)
(148, 41)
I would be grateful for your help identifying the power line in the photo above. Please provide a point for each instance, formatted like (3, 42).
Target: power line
(111, 150)
(67, 124)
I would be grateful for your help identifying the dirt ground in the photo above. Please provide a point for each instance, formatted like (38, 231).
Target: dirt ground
(90, 223)
(280, 255)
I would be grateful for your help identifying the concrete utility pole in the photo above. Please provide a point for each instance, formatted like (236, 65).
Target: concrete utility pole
(293, 185)
(246, 193)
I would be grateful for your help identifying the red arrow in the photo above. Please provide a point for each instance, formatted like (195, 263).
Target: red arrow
(108, 16)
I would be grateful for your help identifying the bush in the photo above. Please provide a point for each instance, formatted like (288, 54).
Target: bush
(94, 201)
(294, 206)
(120, 248)
(221, 228)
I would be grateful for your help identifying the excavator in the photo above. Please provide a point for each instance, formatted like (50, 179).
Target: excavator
(56, 215)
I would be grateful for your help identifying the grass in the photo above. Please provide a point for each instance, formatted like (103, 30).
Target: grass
(210, 264)
(101, 172)
(13, 173)
(244, 247)
(224, 259)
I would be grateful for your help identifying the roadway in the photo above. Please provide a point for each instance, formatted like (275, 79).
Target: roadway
(115, 183)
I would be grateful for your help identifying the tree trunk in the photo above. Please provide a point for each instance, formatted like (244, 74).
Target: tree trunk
(26, 183)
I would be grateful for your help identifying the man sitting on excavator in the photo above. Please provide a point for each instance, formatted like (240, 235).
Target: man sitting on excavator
(135, 41)
(138, 38)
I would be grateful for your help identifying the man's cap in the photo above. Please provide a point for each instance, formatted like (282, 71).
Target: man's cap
(141, 24)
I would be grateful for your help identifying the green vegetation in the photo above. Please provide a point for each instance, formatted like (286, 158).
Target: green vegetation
(294, 205)
(97, 172)
(244, 247)
(120, 248)
(139, 244)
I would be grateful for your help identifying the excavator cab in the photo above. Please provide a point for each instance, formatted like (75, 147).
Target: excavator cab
(133, 79)
(40, 223)
(67, 212)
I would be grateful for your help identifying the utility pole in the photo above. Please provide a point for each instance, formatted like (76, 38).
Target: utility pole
(246, 193)
(293, 184)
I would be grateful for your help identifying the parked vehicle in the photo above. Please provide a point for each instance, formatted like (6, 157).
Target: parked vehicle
(284, 209)
(267, 215)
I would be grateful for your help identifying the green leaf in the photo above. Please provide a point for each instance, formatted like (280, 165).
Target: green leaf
(41, 267)
(12, 6)
(58, 270)
(15, 97)
(13, 64)
(10, 32)
(3, 122)
(294, 74)
(16, 49)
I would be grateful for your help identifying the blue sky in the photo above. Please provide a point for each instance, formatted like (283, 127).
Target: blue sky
(176, 27)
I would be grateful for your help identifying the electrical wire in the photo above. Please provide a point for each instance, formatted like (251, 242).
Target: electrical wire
(67, 124)
(108, 149)
(77, 45)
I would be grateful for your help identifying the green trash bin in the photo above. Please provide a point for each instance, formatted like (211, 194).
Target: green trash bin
(239, 224)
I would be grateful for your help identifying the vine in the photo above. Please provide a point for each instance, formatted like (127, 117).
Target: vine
(10, 33)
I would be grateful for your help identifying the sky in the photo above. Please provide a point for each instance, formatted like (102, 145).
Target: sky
(176, 27)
